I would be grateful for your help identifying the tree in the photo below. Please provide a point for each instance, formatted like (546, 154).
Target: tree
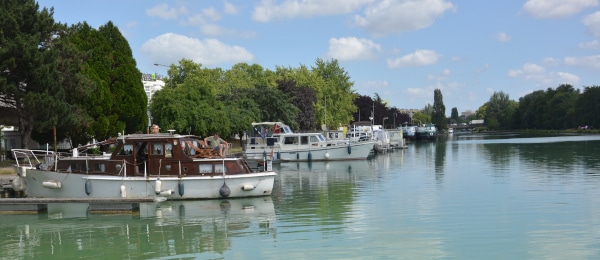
(499, 113)
(79, 92)
(303, 98)
(337, 88)
(588, 107)
(130, 102)
(438, 115)
(190, 105)
(29, 82)
(454, 115)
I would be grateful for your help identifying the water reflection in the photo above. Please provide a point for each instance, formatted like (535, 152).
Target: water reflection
(163, 229)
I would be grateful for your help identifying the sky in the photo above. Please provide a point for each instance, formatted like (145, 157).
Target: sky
(401, 50)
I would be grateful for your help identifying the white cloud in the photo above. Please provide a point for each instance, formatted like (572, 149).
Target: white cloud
(588, 62)
(417, 58)
(268, 10)
(557, 8)
(551, 61)
(592, 45)
(230, 8)
(164, 12)
(503, 37)
(483, 68)
(567, 78)
(206, 21)
(170, 48)
(537, 73)
(352, 48)
(387, 17)
(592, 24)
(206, 16)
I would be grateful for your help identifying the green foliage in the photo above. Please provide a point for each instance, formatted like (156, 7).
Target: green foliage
(421, 118)
(303, 98)
(438, 115)
(124, 80)
(500, 111)
(550, 109)
(29, 80)
(454, 114)
(337, 89)
(588, 108)
(189, 106)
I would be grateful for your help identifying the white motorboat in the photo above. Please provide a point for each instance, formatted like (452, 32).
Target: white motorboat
(277, 142)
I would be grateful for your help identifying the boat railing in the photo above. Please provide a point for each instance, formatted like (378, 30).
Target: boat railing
(33, 157)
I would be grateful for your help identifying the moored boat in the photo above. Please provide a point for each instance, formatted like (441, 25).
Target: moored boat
(276, 141)
(426, 132)
(158, 166)
(409, 132)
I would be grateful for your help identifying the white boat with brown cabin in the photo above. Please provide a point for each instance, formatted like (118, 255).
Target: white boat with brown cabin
(159, 166)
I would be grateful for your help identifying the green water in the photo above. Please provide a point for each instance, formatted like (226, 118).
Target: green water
(462, 197)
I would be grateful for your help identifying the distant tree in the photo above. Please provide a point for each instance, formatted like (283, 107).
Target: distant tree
(454, 115)
(29, 82)
(499, 113)
(438, 115)
(560, 113)
(428, 110)
(588, 107)
(364, 104)
(420, 118)
(530, 106)
(337, 88)
(303, 98)
(275, 105)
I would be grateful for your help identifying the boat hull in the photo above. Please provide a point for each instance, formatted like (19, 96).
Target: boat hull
(353, 151)
(49, 184)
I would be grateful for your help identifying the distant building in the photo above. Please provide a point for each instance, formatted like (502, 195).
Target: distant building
(152, 83)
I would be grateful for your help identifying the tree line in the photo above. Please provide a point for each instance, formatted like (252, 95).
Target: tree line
(552, 109)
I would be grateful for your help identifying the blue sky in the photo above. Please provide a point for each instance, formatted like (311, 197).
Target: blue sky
(401, 49)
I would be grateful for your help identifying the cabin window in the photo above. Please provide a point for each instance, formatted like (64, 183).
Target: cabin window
(74, 166)
(142, 148)
(314, 139)
(193, 147)
(205, 168)
(219, 168)
(290, 140)
(158, 149)
(168, 150)
(127, 149)
(100, 167)
(303, 139)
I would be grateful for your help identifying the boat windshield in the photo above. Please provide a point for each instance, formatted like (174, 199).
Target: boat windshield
(321, 138)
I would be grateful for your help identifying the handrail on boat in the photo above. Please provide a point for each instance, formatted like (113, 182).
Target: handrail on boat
(29, 154)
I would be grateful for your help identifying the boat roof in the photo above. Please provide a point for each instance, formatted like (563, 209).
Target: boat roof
(268, 123)
(156, 136)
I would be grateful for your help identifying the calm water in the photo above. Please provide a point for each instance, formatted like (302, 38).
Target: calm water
(463, 197)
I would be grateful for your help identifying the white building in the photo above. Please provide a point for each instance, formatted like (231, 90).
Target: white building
(152, 83)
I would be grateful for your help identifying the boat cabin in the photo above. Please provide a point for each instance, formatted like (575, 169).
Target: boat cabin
(153, 155)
